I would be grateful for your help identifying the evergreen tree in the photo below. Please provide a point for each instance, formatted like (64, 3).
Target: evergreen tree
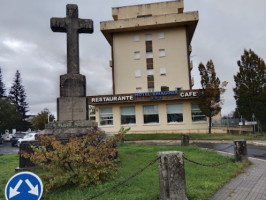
(2, 86)
(250, 90)
(18, 96)
(210, 96)
(9, 116)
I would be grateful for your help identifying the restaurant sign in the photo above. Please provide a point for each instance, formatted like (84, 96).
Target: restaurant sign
(111, 99)
(144, 97)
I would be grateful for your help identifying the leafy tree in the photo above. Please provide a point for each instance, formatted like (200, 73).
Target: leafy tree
(9, 117)
(250, 90)
(18, 95)
(2, 85)
(41, 119)
(210, 96)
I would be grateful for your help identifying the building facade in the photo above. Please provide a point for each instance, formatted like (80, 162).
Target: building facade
(151, 71)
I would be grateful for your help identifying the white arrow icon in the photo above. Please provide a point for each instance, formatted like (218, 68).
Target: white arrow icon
(34, 190)
(14, 192)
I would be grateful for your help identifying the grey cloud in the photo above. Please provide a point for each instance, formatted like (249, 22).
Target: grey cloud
(225, 28)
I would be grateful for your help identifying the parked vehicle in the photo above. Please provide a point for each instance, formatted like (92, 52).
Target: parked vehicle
(28, 137)
(7, 136)
(1, 140)
(16, 137)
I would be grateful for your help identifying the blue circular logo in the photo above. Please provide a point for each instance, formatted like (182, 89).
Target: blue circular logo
(24, 185)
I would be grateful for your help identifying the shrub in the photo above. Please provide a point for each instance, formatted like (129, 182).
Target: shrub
(79, 162)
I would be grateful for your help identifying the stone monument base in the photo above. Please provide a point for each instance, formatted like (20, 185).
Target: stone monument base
(67, 129)
(72, 109)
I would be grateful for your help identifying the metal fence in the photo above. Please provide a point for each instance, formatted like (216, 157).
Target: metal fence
(227, 122)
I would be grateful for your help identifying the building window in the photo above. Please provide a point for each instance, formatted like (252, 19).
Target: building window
(164, 88)
(106, 116)
(136, 37)
(137, 73)
(174, 113)
(149, 62)
(149, 54)
(148, 46)
(128, 115)
(151, 114)
(196, 113)
(162, 71)
(138, 89)
(150, 80)
(161, 52)
(148, 37)
(137, 55)
(150, 72)
(151, 89)
(178, 88)
(160, 35)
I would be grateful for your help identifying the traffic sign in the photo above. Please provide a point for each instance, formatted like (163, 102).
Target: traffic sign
(24, 185)
(250, 123)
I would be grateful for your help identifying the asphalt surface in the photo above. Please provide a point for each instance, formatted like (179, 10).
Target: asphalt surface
(6, 148)
(253, 150)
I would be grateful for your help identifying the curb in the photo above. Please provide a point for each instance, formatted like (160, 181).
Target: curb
(173, 142)
(257, 143)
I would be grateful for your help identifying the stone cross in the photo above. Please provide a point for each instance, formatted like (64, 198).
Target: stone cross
(72, 25)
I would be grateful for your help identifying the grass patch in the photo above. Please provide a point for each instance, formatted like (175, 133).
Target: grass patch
(166, 136)
(202, 182)
(8, 163)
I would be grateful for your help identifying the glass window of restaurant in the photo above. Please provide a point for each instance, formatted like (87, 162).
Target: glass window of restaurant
(128, 115)
(174, 113)
(106, 116)
(151, 114)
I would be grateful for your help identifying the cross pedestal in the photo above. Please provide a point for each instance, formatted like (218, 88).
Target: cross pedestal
(72, 104)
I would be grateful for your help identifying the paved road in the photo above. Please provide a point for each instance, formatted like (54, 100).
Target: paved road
(6, 148)
(253, 150)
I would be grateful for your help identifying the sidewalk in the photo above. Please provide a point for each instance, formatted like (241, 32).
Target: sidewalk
(250, 185)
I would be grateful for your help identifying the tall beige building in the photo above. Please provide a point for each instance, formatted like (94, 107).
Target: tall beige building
(151, 71)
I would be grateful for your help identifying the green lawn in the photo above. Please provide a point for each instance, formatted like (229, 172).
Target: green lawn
(167, 136)
(202, 182)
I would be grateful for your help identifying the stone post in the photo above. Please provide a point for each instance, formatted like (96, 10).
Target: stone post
(240, 148)
(185, 140)
(172, 175)
(25, 163)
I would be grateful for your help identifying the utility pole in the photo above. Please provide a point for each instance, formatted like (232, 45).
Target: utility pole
(228, 131)
(254, 125)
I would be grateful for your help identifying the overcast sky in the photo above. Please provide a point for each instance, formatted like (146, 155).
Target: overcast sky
(27, 44)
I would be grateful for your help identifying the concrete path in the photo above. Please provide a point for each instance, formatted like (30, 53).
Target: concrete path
(250, 185)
